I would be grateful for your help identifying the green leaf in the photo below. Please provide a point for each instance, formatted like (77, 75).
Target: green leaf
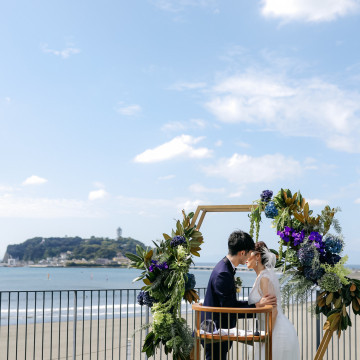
(133, 257)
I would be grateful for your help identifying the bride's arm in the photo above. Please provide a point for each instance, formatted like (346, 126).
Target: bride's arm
(267, 289)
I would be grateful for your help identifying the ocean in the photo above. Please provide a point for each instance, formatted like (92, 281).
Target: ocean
(41, 279)
(29, 294)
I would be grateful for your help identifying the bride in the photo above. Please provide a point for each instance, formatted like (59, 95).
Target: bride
(285, 343)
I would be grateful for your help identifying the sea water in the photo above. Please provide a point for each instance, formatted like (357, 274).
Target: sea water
(47, 294)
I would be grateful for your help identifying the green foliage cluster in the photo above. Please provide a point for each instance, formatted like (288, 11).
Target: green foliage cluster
(39, 248)
(166, 278)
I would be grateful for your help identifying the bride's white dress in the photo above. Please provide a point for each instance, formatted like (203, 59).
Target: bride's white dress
(285, 343)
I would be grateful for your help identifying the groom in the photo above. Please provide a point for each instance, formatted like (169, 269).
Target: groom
(221, 290)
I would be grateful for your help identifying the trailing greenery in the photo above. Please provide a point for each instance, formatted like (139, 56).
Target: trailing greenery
(309, 255)
(39, 248)
(167, 282)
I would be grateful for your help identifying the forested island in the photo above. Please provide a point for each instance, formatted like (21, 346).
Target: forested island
(72, 250)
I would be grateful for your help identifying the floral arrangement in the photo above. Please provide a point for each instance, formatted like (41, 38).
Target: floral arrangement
(167, 282)
(309, 255)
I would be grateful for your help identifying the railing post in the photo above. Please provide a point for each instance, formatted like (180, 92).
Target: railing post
(75, 321)
(146, 323)
(317, 324)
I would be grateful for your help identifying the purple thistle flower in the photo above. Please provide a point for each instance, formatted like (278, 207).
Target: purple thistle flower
(266, 196)
(177, 240)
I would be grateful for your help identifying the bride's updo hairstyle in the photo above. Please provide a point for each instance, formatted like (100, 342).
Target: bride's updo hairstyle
(261, 248)
(268, 259)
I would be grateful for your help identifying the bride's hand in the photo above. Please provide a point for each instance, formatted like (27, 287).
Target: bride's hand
(267, 300)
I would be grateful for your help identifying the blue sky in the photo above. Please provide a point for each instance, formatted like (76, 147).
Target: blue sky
(122, 113)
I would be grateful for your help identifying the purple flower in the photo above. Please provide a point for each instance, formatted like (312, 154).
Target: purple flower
(329, 258)
(286, 234)
(151, 268)
(305, 255)
(177, 240)
(313, 274)
(270, 210)
(144, 298)
(298, 237)
(283, 236)
(315, 236)
(266, 196)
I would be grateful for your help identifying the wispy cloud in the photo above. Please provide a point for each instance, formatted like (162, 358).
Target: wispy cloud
(244, 169)
(181, 86)
(199, 188)
(317, 202)
(166, 177)
(357, 201)
(180, 146)
(180, 5)
(64, 53)
(26, 207)
(34, 180)
(128, 110)
(154, 207)
(307, 10)
(293, 107)
(97, 194)
(191, 124)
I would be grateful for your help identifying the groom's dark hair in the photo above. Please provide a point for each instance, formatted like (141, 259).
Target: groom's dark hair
(239, 241)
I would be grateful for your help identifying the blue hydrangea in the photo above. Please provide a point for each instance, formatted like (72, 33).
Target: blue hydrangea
(190, 283)
(266, 195)
(270, 210)
(333, 244)
(329, 258)
(313, 274)
(306, 255)
(144, 298)
(177, 240)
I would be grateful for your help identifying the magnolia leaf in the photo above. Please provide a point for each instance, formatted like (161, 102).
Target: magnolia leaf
(329, 298)
(194, 252)
(147, 281)
(149, 255)
(299, 217)
(166, 236)
(352, 287)
(306, 211)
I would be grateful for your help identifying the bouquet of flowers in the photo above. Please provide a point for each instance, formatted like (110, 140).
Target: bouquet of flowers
(309, 255)
(166, 283)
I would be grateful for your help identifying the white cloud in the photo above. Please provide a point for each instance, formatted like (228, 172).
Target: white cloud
(236, 194)
(97, 194)
(245, 169)
(309, 107)
(64, 53)
(34, 180)
(25, 207)
(198, 188)
(166, 177)
(357, 201)
(128, 110)
(317, 202)
(309, 10)
(180, 5)
(180, 146)
(150, 207)
(181, 86)
(218, 143)
(191, 124)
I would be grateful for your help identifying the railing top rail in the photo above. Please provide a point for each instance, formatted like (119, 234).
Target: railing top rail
(264, 309)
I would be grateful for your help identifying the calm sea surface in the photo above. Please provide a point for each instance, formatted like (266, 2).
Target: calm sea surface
(27, 278)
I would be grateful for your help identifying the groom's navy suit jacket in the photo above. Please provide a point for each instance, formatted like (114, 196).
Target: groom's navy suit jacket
(221, 292)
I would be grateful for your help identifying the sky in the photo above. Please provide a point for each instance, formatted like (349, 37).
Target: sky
(123, 113)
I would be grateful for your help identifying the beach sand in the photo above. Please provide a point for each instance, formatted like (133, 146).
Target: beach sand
(108, 339)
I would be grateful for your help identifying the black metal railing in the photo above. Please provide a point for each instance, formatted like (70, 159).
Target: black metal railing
(105, 324)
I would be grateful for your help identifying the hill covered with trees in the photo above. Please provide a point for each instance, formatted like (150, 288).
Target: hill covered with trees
(39, 248)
